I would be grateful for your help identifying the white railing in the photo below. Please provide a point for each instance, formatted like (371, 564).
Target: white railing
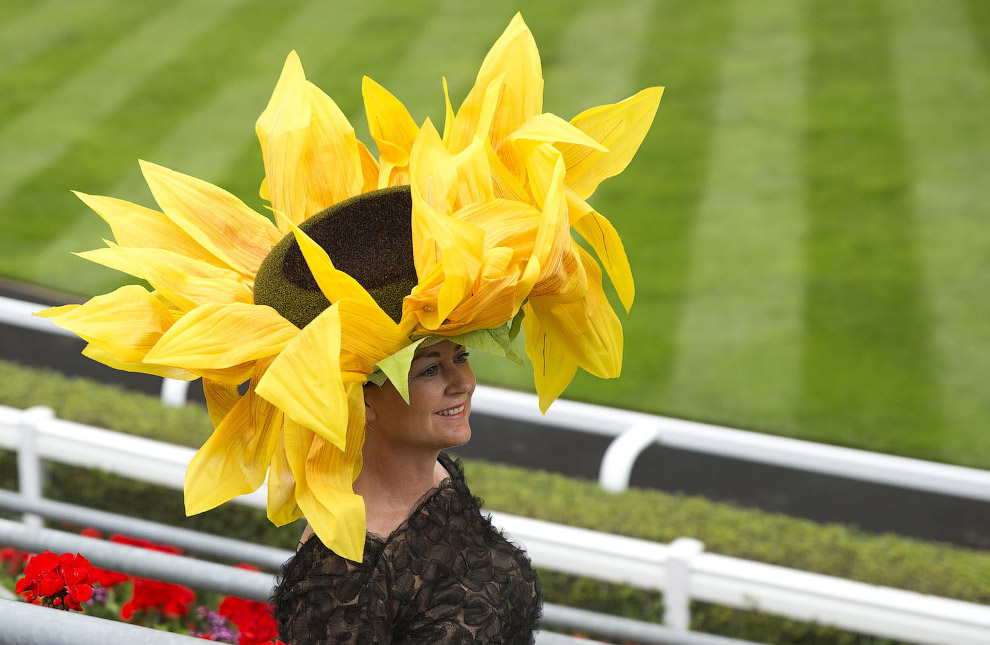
(636, 431)
(681, 570)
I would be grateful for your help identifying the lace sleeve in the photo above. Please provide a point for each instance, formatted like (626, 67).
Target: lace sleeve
(322, 600)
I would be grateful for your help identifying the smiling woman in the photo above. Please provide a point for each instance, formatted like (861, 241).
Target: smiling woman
(434, 569)
(349, 318)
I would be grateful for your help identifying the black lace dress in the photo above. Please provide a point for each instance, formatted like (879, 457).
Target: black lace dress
(444, 576)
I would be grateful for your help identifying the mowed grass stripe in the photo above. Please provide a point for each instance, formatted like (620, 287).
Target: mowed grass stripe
(978, 17)
(598, 56)
(451, 44)
(32, 143)
(83, 33)
(46, 24)
(869, 377)
(944, 92)
(654, 202)
(138, 122)
(739, 340)
(205, 139)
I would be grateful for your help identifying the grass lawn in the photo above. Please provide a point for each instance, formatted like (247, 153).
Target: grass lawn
(807, 220)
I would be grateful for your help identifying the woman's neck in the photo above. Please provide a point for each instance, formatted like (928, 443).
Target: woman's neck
(392, 480)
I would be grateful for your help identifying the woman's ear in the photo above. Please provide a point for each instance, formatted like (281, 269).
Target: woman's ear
(369, 408)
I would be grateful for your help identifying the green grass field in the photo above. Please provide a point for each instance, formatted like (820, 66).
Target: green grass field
(806, 220)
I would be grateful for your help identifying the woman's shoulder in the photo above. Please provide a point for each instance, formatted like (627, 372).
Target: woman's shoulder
(454, 467)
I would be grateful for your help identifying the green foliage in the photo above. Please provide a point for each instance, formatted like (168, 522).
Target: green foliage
(101, 405)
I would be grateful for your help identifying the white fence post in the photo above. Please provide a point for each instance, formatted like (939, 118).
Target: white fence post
(174, 392)
(677, 591)
(621, 454)
(29, 468)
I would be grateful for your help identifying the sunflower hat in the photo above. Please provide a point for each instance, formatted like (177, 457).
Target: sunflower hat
(464, 234)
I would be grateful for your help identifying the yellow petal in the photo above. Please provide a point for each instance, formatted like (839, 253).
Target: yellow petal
(282, 130)
(550, 128)
(282, 506)
(125, 323)
(220, 336)
(100, 356)
(222, 224)
(457, 245)
(437, 237)
(604, 239)
(586, 329)
(448, 121)
(140, 227)
(233, 376)
(553, 366)
(305, 380)
(566, 283)
(511, 224)
(220, 399)
(369, 168)
(335, 512)
(393, 130)
(552, 234)
(434, 177)
(620, 127)
(508, 183)
(332, 167)
(474, 176)
(335, 284)
(190, 282)
(515, 58)
(368, 335)
(234, 460)
(52, 312)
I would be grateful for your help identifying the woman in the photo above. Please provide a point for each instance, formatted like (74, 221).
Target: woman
(434, 570)
(330, 337)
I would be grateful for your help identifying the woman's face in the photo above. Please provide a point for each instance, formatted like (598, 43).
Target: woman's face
(440, 387)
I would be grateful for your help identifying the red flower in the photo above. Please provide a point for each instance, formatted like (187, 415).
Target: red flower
(167, 599)
(144, 544)
(57, 580)
(104, 577)
(109, 578)
(12, 560)
(253, 620)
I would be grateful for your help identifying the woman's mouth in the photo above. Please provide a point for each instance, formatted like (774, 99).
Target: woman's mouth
(452, 412)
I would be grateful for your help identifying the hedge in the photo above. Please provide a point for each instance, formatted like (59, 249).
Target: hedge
(831, 549)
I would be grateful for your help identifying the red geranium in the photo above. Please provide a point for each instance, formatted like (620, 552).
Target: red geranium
(53, 580)
(104, 577)
(12, 560)
(253, 619)
(167, 599)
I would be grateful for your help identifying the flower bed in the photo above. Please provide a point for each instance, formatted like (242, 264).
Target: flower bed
(70, 582)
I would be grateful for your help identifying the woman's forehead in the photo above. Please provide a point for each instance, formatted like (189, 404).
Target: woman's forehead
(436, 349)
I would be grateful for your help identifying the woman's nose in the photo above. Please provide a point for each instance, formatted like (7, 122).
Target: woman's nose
(462, 379)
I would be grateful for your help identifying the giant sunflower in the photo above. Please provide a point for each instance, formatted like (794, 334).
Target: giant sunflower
(288, 309)
(527, 157)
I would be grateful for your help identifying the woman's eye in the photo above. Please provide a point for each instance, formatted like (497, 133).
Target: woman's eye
(462, 357)
(430, 371)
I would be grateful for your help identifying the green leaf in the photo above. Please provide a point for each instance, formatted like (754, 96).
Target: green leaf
(396, 368)
(497, 341)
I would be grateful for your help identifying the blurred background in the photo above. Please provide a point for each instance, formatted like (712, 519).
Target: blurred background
(808, 223)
